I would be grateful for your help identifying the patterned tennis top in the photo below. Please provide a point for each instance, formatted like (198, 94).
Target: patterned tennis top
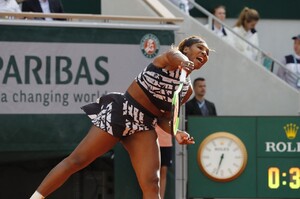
(159, 85)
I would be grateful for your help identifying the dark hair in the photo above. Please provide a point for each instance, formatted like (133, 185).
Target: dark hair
(198, 79)
(217, 7)
(189, 41)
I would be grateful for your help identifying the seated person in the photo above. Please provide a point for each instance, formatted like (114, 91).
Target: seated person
(44, 6)
(219, 12)
(291, 72)
(9, 6)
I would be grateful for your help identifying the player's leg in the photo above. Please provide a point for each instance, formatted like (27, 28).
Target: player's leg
(163, 181)
(96, 143)
(144, 154)
(166, 162)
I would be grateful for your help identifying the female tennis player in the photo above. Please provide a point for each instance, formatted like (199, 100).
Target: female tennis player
(130, 118)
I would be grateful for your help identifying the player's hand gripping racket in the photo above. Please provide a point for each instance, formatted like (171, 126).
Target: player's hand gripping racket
(176, 103)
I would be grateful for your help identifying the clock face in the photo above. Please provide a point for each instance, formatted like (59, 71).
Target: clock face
(222, 156)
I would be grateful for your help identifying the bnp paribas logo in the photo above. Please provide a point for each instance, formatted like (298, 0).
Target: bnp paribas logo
(291, 130)
(149, 45)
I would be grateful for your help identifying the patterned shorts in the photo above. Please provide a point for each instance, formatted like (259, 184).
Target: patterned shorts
(119, 115)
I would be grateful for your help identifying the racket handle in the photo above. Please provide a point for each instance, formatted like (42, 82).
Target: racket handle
(182, 75)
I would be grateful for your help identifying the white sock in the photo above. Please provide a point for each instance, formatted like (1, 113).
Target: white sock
(37, 195)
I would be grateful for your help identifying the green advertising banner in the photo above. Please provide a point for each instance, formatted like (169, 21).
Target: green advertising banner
(47, 73)
(244, 157)
(58, 69)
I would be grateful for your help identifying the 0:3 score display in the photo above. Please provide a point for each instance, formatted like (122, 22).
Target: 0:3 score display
(276, 178)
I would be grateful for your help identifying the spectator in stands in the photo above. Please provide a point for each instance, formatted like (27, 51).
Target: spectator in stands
(9, 6)
(165, 144)
(199, 105)
(219, 12)
(183, 5)
(44, 6)
(245, 27)
(291, 72)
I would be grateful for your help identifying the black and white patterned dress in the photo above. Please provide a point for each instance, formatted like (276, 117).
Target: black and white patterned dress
(120, 115)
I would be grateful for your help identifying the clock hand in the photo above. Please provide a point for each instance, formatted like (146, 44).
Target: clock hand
(221, 159)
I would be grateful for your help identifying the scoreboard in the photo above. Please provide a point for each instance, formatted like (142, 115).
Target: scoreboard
(268, 167)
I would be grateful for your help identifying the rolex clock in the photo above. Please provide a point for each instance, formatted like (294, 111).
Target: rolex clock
(222, 156)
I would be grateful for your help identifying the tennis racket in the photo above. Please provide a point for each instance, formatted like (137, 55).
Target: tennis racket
(175, 111)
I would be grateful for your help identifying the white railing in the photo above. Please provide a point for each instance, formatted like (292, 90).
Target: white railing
(93, 17)
(90, 20)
